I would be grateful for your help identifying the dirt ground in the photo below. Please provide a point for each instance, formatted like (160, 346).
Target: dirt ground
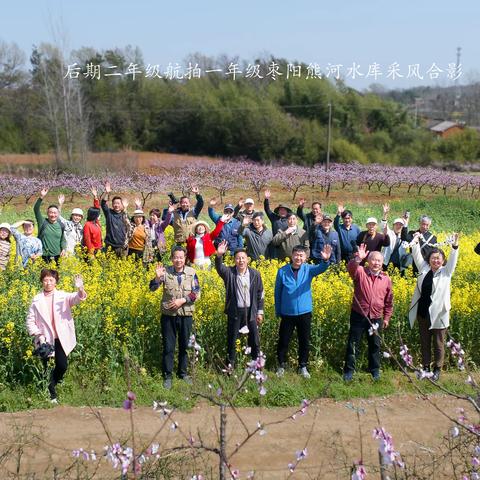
(329, 430)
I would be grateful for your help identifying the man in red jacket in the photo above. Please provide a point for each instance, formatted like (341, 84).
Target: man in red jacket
(372, 309)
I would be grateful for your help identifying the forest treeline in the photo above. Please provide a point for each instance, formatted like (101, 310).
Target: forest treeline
(42, 110)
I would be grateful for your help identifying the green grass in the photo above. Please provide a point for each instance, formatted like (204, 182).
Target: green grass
(97, 390)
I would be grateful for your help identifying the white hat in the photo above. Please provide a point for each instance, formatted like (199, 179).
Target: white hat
(371, 220)
(399, 220)
(249, 200)
(138, 213)
(6, 226)
(77, 211)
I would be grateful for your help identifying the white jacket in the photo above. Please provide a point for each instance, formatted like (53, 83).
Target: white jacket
(387, 251)
(440, 306)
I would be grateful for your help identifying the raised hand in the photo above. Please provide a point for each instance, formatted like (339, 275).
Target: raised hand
(108, 187)
(318, 219)
(455, 236)
(340, 209)
(125, 203)
(94, 191)
(160, 271)
(225, 218)
(195, 190)
(138, 204)
(78, 281)
(213, 202)
(290, 230)
(386, 209)
(241, 202)
(43, 192)
(171, 207)
(326, 252)
(222, 248)
(61, 199)
(267, 194)
(246, 221)
(362, 252)
(301, 202)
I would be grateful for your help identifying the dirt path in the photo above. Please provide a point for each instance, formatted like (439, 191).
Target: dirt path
(329, 430)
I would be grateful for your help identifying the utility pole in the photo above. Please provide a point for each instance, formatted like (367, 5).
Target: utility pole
(329, 136)
(457, 87)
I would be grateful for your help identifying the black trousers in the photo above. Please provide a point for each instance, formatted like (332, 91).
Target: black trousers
(171, 326)
(234, 324)
(61, 364)
(303, 323)
(48, 259)
(359, 325)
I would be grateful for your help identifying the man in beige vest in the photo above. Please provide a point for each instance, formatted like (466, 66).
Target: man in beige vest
(180, 291)
(184, 217)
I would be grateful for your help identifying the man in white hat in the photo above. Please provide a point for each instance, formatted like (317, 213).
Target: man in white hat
(373, 240)
(244, 209)
(73, 228)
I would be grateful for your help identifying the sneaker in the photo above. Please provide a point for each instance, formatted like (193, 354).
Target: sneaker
(187, 380)
(167, 384)
(376, 376)
(348, 376)
(303, 372)
(54, 401)
(280, 372)
(436, 375)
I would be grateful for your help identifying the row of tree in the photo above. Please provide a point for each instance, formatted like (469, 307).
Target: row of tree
(43, 109)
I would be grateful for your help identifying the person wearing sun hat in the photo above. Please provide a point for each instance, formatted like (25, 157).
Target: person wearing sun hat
(29, 247)
(140, 233)
(200, 243)
(230, 230)
(72, 228)
(396, 253)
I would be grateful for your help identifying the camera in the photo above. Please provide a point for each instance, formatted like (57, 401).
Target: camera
(172, 198)
(407, 214)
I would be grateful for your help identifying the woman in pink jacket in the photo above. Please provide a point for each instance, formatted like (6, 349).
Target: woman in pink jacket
(50, 321)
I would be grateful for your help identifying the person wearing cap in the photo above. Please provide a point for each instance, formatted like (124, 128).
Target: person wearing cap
(372, 308)
(293, 304)
(72, 228)
(117, 224)
(230, 231)
(200, 245)
(396, 253)
(50, 230)
(5, 245)
(308, 219)
(243, 301)
(347, 232)
(140, 232)
(324, 235)
(257, 236)
(285, 240)
(278, 217)
(181, 290)
(185, 217)
(371, 238)
(244, 208)
(29, 247)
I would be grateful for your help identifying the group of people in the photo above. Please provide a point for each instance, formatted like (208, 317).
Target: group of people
(242, 231)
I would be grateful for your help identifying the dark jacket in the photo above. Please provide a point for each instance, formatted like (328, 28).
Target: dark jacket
(307, 219)
(321, 239)
(278, 222)
(424, 249)
(229, 276)
(117, 227)
(375, 243)
(477, 249)
(348, 237)
(258, 243)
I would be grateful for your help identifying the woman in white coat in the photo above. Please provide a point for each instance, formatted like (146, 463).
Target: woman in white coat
(50, 321)
(430, 304)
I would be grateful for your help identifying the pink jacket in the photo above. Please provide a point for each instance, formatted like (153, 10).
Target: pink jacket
(39, 323)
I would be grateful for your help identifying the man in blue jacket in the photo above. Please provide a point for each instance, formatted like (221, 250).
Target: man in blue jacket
(293, 304)
(230, 230)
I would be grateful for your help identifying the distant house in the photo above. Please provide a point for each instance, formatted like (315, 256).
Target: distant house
(446, 129)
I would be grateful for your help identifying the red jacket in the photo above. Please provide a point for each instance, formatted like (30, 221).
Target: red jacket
(92, 233)
(372, 294)
(208, 247)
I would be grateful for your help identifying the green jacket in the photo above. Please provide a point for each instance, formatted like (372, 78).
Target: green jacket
(51, 234)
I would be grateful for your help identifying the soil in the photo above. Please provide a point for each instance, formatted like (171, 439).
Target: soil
(330, 431)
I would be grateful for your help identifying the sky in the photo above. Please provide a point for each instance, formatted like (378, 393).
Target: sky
(364, 33)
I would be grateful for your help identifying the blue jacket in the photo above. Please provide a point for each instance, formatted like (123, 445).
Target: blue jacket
(320, 239)
(229, 231)
(293, 296)
(348, 238)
